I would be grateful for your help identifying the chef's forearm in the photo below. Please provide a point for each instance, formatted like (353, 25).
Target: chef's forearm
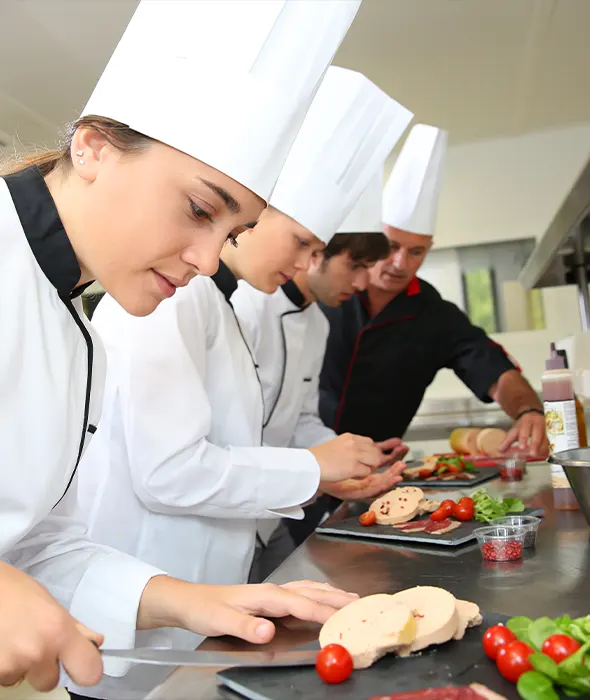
(514, 394)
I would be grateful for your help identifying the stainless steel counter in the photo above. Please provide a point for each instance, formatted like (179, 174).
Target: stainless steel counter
(555, 579)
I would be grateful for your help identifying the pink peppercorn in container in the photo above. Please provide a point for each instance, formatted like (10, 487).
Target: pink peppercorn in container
(501, 543)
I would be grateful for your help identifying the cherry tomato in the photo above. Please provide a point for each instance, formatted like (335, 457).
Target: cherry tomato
(559, 647)
(464, 511)
(513, 660)
(368, 518)
(496, 637)
(334, 664)
(448, 506)
(466, 501)
(438, 515)
(453, 469)
(425, 473)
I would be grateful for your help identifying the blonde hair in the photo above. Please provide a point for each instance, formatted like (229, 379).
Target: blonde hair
(118, 135)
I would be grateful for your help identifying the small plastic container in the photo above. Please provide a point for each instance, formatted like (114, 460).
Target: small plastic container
(528, 522)
(501, 543)
(513, 469)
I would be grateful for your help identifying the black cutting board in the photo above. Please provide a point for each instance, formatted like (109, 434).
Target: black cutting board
(481, 476)
(350, 527)
(455, 663)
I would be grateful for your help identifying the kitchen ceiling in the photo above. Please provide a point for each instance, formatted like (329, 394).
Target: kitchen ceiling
(480, 68)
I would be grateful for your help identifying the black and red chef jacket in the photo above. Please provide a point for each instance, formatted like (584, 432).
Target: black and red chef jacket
(377, 369)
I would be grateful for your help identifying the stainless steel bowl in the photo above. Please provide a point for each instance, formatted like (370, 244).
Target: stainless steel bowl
(576, 465)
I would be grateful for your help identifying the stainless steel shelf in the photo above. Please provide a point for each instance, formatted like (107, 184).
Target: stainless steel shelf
(545, 267)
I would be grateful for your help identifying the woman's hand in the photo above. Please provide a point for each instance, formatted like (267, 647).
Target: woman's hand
(36, 634)
(371, 486)
(239, 611)
(347, 456)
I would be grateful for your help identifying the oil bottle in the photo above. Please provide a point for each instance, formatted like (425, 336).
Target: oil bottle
(561, 423)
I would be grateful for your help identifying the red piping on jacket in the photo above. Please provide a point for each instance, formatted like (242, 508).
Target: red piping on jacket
(503, 349)
(353, 358)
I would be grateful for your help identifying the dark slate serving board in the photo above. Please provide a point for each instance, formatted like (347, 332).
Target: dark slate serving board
(350, 527)
(455, 663)
(483, 475)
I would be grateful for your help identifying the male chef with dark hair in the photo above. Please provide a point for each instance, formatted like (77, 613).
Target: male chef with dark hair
(387, 343)
(288, 332)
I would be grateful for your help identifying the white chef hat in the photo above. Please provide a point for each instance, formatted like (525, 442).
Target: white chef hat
(366, 215)
(227, 82)
(410, 197)
(348, 132)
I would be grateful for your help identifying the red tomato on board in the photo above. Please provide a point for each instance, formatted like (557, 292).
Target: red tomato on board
(559, 647)
(464, 511)
(513, 660)
(496, 637)
(368, 518)
(439, 515)
(334, 664)
(448, 506)
(466, 501)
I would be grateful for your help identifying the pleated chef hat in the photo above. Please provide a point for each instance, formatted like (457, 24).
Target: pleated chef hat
(227, 82)
(366, 215)
(410, 197)
(348, 132)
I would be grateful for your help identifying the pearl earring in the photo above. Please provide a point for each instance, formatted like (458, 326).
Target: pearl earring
(80, 153)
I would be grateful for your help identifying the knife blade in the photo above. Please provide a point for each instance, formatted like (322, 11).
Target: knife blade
(215, 659)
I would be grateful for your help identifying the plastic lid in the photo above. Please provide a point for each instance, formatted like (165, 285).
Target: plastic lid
(555, 361)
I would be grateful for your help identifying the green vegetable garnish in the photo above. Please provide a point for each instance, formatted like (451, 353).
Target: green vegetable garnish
(540, 630)
(533, 685)
(488, 508)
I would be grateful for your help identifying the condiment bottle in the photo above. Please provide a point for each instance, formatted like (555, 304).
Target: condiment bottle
(580, 416)
(560, 423)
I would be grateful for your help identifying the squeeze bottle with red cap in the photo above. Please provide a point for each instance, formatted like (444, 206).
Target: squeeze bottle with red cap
(561, 423)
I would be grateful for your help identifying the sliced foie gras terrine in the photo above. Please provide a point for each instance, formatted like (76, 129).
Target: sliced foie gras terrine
(436, 614)
(469, 616)
(369, 628)
(398, 506)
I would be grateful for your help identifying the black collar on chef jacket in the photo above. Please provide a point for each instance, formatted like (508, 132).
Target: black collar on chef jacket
(403, 306)
(44, 230)
(294, 294)
(225, 281)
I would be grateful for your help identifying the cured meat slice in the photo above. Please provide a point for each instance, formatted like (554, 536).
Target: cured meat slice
(397, 506)
(417, 526)
(469, 616)
(475, 691)
(442, 526)
(370, 628)
(435, 610)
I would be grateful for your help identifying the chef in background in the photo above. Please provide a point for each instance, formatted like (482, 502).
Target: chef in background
(160, 170)
(387, 344)
(289, 332)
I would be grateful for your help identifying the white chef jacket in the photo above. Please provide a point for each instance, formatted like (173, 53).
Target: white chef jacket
(176, 474)
(51, 380)
(288, 338)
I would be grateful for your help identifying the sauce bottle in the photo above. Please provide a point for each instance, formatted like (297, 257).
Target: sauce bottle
(561, 423)
(580, 416)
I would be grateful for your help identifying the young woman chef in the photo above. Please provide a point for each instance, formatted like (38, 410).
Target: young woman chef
(142, 198)
(176, 473)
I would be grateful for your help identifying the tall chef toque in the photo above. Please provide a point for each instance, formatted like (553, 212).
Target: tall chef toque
(366, 215)
(410, 197)
(228, 83)
(349, 130)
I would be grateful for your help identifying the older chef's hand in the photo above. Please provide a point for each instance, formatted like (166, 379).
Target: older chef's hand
(236, 610)
(529, 434)
(347, 457)
(371, 486)
(36, 633)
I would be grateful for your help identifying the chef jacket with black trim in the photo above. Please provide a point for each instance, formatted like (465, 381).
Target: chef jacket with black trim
(176, 473)
(51, 382)
(288, 337)
(377, 368)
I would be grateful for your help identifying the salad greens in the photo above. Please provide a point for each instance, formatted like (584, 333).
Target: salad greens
(571, 676)
(488, 508)
(444, 464)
